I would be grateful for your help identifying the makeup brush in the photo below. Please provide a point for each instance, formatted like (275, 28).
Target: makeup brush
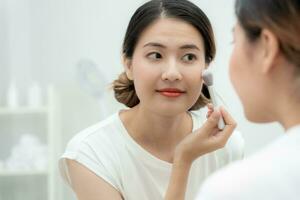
(208, 80)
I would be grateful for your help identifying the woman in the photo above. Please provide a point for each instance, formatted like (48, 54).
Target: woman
(146, 152)
(265, 71)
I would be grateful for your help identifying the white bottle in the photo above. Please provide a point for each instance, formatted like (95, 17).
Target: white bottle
(12, 96)
(34, 95)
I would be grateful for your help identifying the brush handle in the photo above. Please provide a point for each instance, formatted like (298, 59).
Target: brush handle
(221, 123)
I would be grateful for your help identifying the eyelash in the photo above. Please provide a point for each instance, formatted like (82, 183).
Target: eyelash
(194, 57)
(153, 53)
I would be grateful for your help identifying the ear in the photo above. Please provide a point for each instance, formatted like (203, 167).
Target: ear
(271, 50)
(127, 63)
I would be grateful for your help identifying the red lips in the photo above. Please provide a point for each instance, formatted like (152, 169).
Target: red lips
(171, 92)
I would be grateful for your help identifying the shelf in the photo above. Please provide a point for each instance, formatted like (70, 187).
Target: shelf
(44, 121)
(22, 110)
(22, 173)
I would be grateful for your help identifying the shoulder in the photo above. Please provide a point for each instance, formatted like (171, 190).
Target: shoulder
(221, 185)
(104, 134)
(269, 174)
(236, 181)
(99, 149)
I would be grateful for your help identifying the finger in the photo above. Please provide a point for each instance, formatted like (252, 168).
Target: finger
(209, 113)
(211, 122)
(223, 136)
(228, 119)
(210, 106)
(230, 125)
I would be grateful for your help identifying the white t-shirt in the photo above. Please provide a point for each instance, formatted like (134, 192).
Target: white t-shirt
(272, 174)
(109, 151)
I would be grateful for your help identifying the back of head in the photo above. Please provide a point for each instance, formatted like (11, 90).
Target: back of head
(280, 17)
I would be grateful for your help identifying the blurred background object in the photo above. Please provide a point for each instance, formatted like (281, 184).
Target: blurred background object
(94, 81)
(57, 58)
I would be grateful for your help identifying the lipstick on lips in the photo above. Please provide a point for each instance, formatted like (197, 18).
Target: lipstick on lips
(171, 92)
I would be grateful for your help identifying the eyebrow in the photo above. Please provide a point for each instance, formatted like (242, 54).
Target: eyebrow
(190, 46)
(186, 46)
(154, 44)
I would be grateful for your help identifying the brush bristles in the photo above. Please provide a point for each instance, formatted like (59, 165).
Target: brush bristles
(207, 78)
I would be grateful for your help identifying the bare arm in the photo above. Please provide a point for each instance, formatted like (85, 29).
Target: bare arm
(178, 182)
(89, 186)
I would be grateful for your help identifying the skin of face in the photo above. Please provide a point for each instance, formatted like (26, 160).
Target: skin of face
(169, 54)
(250, 81)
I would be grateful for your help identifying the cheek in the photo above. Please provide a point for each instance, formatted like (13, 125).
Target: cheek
(242, 80)
(195, 82)
(145, 77)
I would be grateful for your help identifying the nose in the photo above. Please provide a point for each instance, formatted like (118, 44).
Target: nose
(171, 72)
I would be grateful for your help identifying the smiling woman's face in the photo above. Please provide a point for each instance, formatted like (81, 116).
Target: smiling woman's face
(166, 66)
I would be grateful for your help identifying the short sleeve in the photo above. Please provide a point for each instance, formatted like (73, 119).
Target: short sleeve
(98, 158)
(233, 150)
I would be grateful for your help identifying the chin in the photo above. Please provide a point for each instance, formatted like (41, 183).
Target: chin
(170, 110)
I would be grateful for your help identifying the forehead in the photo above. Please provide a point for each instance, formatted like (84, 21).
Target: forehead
(170, 32)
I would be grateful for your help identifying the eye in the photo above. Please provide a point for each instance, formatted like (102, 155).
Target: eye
(189, 57)
(154, 56)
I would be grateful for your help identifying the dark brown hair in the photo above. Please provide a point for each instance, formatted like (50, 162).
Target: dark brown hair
(145, 15)
(279, 16)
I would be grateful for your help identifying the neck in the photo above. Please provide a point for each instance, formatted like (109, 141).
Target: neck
(289, 115)
(156, 130)
(286, 105)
